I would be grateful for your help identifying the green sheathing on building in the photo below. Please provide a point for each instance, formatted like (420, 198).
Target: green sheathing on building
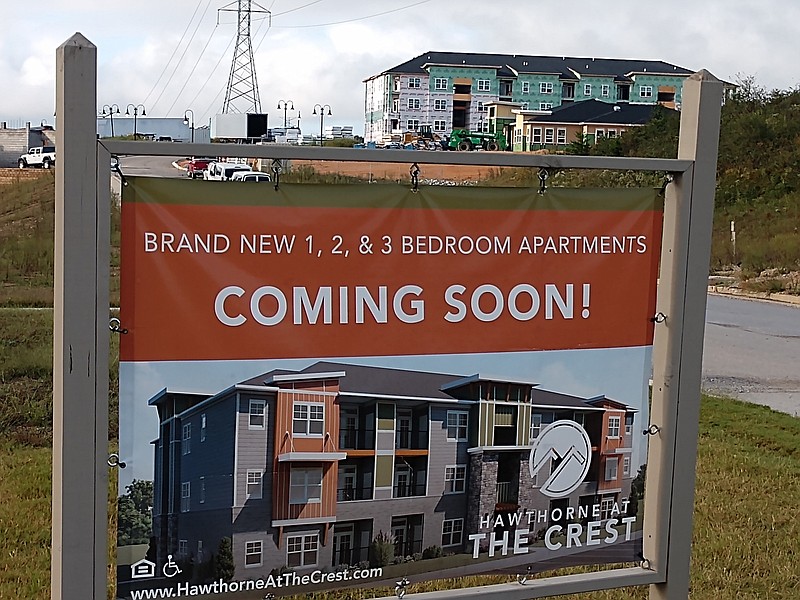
(534, 97)
(440, 73)
(473, 73)
(597, 84)
(655, 81)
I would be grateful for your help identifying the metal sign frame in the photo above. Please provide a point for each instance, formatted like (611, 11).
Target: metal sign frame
(81, 332)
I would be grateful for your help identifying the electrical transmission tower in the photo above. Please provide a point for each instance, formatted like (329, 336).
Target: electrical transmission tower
(241, 95)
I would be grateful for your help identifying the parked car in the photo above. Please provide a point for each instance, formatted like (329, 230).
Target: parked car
(222, 171)
(42, 156)
(197, 166)
(250, 176)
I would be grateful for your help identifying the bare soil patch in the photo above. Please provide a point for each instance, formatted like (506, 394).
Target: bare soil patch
(401, 171)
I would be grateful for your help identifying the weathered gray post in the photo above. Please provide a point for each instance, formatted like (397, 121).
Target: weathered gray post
(678, 344)
(80, 334)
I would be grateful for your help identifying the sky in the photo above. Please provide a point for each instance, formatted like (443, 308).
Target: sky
(170, 57)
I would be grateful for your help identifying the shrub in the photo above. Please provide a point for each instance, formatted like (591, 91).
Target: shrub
(381, 550)
(432, 552)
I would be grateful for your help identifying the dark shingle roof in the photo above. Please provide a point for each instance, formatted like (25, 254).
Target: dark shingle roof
(595, 111)
(566, 67)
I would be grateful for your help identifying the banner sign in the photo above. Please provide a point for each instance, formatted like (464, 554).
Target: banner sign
(352, 385)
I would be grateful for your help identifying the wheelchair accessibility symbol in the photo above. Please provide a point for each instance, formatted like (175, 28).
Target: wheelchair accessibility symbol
(171, 568)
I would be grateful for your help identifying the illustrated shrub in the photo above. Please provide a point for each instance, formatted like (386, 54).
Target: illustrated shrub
(381, 550)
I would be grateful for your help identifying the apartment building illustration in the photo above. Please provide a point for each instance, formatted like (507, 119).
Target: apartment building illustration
(448, 90)
(303, 469)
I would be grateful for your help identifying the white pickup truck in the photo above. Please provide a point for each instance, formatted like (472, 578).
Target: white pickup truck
(42, 156)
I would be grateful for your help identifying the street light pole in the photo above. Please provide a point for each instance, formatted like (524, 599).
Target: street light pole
(187, 121)
(321, 108)
(135, 115)
(287, 104)
(111, 109)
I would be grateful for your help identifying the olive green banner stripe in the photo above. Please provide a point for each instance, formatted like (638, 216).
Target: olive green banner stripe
(189, 192)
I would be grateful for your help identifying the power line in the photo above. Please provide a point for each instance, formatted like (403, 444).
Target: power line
(380, 14)
(189, 77)
(166, 65)
(185, 50)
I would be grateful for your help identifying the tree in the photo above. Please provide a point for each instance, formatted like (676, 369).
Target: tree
(134, 514)
(580, 145)
(223, 565)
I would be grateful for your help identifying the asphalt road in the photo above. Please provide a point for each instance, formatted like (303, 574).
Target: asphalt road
(752, 352)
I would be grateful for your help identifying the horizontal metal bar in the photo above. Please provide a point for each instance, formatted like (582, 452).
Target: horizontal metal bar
(488, 159)
(550, 586)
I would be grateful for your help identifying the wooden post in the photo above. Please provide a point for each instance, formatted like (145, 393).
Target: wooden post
(80, 335)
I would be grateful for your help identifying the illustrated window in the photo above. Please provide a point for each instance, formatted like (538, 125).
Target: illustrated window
(612, 464)
(257, 410)
(308, 419)
(254, 479)
(452, 532)
(252, 553)
(457, 421)
(305, 485)
(186, 493)
(455, 477)
(186, 442)
(301, 550)
(613, 427)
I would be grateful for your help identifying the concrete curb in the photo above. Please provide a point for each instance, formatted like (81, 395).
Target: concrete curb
(789, 299)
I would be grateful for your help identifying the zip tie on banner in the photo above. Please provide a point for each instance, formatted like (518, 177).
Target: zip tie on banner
(523, 579)
(400, 588)
(544, 173)
(652, 430)
(668, 178)
(658, 318)
(277, 169)
(115, 168)
(114, 461)
(414, 172)
(115, 325)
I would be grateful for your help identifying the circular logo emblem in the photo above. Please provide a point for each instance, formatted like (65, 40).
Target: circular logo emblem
(564, 451)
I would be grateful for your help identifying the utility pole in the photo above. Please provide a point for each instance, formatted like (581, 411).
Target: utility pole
(241, 95)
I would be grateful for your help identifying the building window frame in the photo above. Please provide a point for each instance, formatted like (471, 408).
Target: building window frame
(452, 532)
(536, 135)
(203, 428)
(455, 479)
(186, 496)
(561, 136)
(439, 104)
(484, 85)
(646, 91)
(605, 90)
(526, 87)
(549, 135)
(299, 549)
(412, 124)
(440, 83)
(545, 105)
(308, 419)
(587, 89)
(457, 423)
(439, 125)
(545, 87)
(414, 83)
(254, 484)
(186, 439)
(414, 103)
(612, 469)
(613, 427)
(257, 414)
(253, 553)
(305, 485)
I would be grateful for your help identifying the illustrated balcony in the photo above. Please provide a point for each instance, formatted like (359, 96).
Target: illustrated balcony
(408, 490)
(350, 494)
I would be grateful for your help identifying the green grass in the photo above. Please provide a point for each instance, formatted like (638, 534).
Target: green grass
(747, 525)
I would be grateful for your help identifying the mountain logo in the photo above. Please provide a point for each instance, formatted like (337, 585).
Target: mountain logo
(563, 451)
